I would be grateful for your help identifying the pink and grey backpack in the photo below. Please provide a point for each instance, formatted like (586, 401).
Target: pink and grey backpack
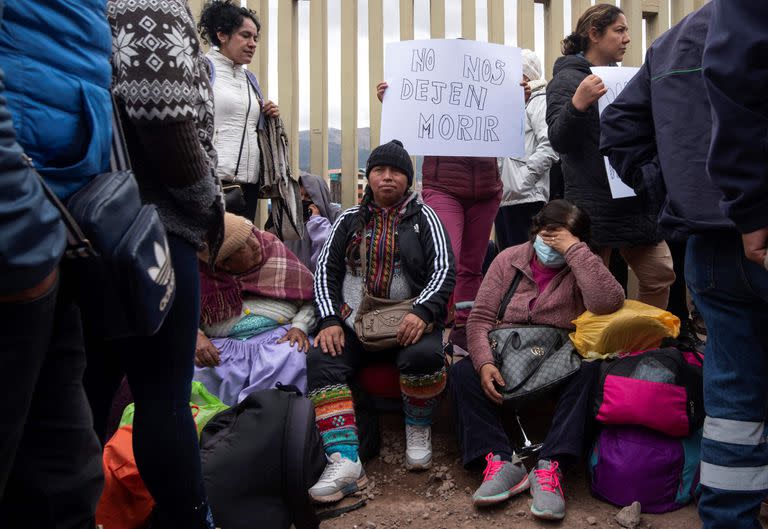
(660, 389)
(631, 463)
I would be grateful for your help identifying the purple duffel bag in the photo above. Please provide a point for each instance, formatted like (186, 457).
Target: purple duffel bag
(631, 463)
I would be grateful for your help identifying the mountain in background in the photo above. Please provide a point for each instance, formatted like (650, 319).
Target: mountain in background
(334, 148)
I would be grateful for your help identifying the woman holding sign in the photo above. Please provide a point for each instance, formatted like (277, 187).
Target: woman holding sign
(465, 192)
(600, 39)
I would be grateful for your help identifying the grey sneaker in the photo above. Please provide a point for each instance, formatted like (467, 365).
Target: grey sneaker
(418, 447)
(340, 478)
(548, 501)
(501, 480)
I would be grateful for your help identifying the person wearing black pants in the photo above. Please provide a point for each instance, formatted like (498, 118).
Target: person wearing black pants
(549, 282)
(169, 139)
(513, 223)
(479, 426)
(50, 469)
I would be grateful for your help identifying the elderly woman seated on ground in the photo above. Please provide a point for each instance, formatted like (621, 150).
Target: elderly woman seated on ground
(560, 278)
(407, 257)
(256, 314)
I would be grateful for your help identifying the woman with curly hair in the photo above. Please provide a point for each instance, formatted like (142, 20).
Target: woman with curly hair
(233, 32)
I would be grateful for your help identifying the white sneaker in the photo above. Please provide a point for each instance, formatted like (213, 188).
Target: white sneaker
(340, 478)
(418, 447)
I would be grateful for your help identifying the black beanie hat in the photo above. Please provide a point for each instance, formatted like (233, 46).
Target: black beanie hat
(394, 155)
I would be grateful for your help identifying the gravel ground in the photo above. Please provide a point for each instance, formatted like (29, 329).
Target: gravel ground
(440, 498)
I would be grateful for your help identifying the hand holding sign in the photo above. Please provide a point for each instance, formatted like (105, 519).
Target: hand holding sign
(590, 90)
(613, 80)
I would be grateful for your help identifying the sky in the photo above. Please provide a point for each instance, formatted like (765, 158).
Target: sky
(391, 34)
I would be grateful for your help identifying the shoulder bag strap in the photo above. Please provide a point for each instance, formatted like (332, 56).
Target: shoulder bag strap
(508, 297)
(78, 244)
(119, 159)
(245, 126)
(364, 261)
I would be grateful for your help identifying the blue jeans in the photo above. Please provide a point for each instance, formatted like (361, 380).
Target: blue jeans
(732, 295)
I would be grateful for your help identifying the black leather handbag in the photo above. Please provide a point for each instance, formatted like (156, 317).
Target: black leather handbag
(532, 359)
(117, 251)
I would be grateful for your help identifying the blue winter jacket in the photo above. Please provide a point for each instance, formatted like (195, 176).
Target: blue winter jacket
(55, 106)
(657, 132)
(55, 55)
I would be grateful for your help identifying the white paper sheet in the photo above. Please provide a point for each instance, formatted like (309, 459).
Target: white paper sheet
(454, 98)
(614, 79)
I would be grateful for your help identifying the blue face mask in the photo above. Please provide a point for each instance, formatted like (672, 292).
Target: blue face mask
(547, 255)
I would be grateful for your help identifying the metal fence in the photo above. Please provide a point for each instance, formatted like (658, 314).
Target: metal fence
(656, 14)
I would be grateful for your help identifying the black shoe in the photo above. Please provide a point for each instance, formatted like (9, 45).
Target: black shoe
(199, 517)
(689, 338)
(698, 323)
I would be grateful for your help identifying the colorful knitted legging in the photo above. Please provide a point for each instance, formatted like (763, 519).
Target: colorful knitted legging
(421, 395)
(335, 418)
(422, 380)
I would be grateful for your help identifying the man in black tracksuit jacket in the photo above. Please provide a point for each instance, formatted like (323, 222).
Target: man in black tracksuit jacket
(711, 70)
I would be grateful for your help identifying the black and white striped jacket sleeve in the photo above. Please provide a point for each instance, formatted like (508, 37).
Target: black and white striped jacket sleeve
(431, 304)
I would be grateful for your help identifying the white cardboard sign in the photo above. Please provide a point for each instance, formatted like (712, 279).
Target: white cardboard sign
(615, 79)
(454, 98)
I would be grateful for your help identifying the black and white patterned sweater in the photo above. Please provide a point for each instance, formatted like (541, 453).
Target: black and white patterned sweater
(160, 81)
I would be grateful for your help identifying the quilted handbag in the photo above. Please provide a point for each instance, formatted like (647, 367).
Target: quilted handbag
(378, 319)
(532, 359)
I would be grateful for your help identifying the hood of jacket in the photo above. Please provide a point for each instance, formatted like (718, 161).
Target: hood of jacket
(321, 196)
(538, 87)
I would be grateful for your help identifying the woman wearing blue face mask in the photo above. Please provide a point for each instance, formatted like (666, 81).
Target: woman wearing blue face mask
(561, 278)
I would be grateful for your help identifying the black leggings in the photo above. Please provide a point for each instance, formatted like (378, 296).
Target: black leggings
(159, 369)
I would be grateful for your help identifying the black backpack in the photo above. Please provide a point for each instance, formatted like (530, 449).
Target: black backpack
(259, 460)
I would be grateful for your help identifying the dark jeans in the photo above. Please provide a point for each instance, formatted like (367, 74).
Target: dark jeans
(513, 223)
(159, 369)
(479, 421)
(732, 295)
(424, 357)
(50, 462)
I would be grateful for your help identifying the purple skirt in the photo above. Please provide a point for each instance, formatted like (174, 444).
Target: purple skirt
(253, 364)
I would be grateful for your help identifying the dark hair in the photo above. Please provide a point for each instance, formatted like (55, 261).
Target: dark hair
(225, 17)
(563, 214)
(599, 17)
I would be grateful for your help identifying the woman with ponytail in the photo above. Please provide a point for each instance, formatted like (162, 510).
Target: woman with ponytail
(601, 38)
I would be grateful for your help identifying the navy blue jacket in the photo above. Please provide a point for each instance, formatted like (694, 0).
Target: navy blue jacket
(656, 133)
(55, 106)
(736, 79)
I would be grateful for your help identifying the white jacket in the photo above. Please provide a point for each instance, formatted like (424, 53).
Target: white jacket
(230, 98)
(527, 179)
